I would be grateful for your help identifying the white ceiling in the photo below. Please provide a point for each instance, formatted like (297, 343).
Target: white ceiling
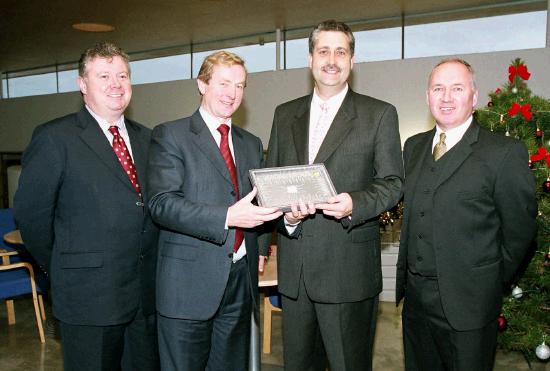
(36, 33)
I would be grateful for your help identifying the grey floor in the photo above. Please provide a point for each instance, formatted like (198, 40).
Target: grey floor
(21, 350)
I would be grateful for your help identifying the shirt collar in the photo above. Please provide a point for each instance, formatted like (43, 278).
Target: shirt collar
(104, 124)
(456, 131)
(333, 102)
(454, 135)
(212, 122)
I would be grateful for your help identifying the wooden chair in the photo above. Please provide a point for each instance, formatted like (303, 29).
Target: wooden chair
(9, 303)
(18, 279)
(271, 304)
(272, 299)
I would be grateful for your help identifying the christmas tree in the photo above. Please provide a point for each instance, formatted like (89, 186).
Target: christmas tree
(514, 111)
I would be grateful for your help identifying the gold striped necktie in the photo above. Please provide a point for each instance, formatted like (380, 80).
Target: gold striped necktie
(440, 147)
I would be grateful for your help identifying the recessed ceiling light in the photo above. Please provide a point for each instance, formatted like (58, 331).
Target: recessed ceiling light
(93, 27)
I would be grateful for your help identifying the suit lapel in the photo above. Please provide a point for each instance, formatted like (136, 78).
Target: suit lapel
(207, 145)
(338, 130)
(418, 155)
(95, 139)
(240, 153)
(300, 131)
(462, 151)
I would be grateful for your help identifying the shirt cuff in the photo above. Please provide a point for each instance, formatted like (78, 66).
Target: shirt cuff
(290, 228)
(226, 216)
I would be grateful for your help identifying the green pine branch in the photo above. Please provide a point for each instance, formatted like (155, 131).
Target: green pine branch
(528, 317)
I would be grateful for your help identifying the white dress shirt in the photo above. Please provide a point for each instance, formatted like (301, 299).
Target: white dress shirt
(334, 103)
(105, 125)
(452, 136)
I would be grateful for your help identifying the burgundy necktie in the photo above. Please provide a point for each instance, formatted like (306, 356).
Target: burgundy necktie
(125, 158)
(226, 154)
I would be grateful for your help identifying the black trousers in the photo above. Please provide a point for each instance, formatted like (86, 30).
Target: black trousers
(130, 346)
(429, 340)
(218, 344)
(342, 333)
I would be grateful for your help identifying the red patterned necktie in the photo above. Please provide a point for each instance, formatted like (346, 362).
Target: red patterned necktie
(226, 154)
(125, 158)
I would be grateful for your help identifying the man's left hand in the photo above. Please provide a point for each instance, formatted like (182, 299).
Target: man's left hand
(339, 206)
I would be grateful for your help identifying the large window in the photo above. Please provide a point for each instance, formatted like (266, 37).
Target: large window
(297, 52)
(32, 85)
(177, 67)
(507, 32)
(504, 32)
(68, 81)
(378, 45)
(257, 58)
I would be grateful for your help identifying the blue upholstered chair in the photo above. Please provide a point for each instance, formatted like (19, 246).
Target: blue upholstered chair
(7, 224)
(272, 303)
(17, 277)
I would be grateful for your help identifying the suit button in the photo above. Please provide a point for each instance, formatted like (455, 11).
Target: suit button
(420, 236)
(230, 255)
(432, 169)
(419, 258)
(426, 191)
(421, 213)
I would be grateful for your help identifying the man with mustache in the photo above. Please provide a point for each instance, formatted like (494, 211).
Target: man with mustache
(329, 254)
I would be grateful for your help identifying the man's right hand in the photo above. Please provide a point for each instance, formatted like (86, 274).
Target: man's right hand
(243, 214)
(299, 212)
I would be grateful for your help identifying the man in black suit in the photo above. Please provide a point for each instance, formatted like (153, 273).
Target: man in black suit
(469, 220)
(81, 212)
(329, 254)
(201, 196)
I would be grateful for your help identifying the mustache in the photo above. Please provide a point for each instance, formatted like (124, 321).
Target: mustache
(331, 67)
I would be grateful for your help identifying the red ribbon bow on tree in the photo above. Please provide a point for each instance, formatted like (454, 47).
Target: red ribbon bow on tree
(520, 70)
(541, 155)
(525, 111)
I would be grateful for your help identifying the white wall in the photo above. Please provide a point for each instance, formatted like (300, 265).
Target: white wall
(401, 82)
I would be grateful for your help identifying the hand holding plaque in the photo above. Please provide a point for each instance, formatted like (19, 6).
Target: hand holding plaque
(282, 187)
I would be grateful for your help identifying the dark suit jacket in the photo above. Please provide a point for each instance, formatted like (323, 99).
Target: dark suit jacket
(82, 221)
(340, 261)
(485, 208)
(191, 190)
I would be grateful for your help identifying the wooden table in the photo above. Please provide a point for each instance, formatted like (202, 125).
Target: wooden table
(269, 276)
(14, 237)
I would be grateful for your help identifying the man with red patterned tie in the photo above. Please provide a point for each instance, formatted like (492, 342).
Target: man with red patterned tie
(201, 196)
(81, 208)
